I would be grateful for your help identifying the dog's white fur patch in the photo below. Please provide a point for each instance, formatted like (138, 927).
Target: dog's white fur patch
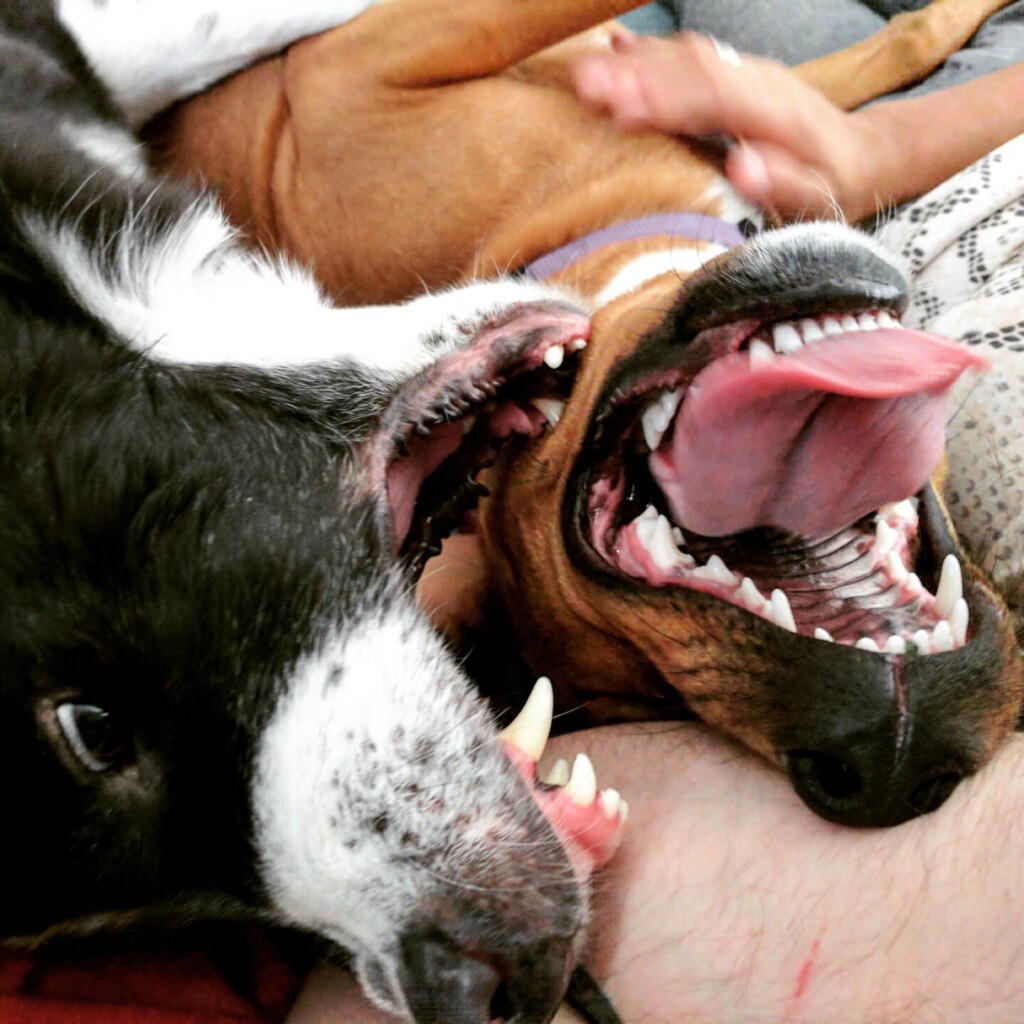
(653, 264)
(110, 146)
(361, 822)
(150, 53)
(192, 294)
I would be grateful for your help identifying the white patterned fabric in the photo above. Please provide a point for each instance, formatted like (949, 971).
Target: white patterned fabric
(964, 242)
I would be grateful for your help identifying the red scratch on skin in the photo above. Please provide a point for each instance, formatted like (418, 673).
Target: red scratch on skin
(803, 977)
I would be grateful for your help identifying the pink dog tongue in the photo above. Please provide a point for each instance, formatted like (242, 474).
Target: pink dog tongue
(812, 441)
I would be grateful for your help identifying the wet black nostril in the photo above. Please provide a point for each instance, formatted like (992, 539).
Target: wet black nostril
(443, 985)
(824, 778)
(933, 793)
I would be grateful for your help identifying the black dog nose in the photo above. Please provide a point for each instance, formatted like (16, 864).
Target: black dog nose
(859, 788)
(445, 986)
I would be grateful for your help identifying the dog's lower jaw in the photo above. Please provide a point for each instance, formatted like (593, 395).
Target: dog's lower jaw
(388, 818)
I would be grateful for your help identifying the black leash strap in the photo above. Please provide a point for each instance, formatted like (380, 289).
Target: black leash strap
(586, 998)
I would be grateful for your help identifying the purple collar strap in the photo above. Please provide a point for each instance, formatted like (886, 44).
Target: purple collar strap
(692, 226)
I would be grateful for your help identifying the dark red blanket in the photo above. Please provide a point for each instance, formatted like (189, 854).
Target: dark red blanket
(145, 987)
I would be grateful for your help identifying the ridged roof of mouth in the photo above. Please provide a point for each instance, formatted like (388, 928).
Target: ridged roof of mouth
(774, 466)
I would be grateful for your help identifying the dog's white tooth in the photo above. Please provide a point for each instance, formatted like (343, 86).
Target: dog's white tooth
(654, 425)
(623, 812)
(895, 645)
(831, 326)
(782, 611)
(558, 774)
(951, 586)
(810, 331)
(823, 634)
(912, 585)
(922, 641)
(786, 339)
(660, 547)
(669, 403)
(886, 319)
(761, 354)
(649, 513)
(885, 538)
(942, 637)
(551, 407)
(865, 643)
(749, 596)
(677, 537)
(468, 423)
(849, 323)
(578, 344)
(611, 801)
(581, 788)
(867, 322)
(554, 357)
(898, 511)
(530, 729)
(958, 620)
(894, 567)
(716, 571)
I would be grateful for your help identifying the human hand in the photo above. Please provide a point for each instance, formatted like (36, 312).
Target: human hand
(797, 154)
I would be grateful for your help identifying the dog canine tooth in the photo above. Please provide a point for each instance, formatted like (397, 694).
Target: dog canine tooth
(530, 729)
(922, 641)
(866, 322)
(810, 331)
(669, 403)
(578, 344)
(581, 788)
(904, 512)
(611, 800)
(558, 775)
(942, 637)
(831, 327)
(958, 620)
(786, 339)
(865, 643)
(554, 357)
(761, 354)
(823, 634)
(716, 571)
(552, 408)
(782, 611)
(951, 587)
(895, 645)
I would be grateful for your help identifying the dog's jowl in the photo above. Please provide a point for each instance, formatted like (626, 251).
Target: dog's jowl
(216, 692)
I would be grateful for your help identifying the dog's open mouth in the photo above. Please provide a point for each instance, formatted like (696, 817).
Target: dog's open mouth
(775, 466)
(449, 424)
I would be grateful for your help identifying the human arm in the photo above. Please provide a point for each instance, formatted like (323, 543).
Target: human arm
(800, 154)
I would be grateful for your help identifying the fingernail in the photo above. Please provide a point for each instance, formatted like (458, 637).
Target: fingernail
(755, 170)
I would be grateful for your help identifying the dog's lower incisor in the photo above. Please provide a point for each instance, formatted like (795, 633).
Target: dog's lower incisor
(217, 694)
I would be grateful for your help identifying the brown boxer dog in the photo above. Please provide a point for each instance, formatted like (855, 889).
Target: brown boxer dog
(729, 509)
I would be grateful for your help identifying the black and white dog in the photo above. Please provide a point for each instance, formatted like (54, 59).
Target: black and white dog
(216, 692)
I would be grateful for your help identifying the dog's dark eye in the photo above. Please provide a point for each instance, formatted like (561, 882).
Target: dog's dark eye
(98, 738)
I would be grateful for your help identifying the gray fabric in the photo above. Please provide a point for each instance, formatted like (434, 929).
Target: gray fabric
(796, 30)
